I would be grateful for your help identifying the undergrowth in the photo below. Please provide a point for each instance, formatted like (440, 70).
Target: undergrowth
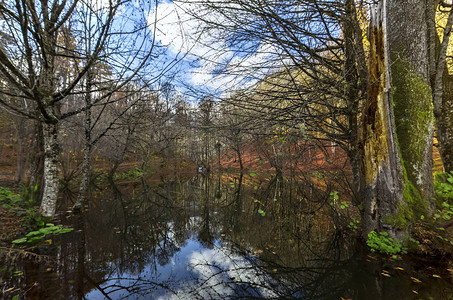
(381, 242)
(24, 206)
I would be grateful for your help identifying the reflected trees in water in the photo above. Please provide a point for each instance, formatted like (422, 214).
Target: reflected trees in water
(204, 238)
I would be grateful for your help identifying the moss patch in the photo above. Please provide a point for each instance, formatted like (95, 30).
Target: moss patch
(413, 111)
(410, 209)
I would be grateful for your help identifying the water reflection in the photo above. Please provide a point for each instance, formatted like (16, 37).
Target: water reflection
(219, 237)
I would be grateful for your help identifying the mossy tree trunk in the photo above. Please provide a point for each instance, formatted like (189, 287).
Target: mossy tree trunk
(396, 137)
(409, 57)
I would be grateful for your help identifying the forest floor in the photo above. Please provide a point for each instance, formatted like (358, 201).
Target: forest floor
(10, 226)
(307, 158)
(315, 159)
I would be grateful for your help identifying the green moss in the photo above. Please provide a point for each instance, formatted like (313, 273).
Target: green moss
(413, 112)
(410, 209)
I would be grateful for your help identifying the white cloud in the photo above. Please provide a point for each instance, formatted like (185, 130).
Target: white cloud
(219, 273)
(184, 35)
(181, 33)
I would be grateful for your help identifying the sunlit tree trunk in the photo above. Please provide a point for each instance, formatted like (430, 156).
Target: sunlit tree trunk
(445, 123)
(396, 138)
(49, 115)
(442, 90)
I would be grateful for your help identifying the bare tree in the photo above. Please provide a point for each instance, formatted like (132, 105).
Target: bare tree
(47, 41)
(315, 73)
(306, 59)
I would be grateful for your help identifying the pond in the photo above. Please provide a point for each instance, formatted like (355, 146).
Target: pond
(214, 237)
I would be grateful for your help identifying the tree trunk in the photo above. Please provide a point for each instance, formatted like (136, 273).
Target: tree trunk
(445, 124)
(356, 78)
(238, 151)
(408, 41)
(396, 140)
(86, 163)
(85, 180)
(442, 85)
(384, 184)
(51, 172)
(36, 170)
(19, 158)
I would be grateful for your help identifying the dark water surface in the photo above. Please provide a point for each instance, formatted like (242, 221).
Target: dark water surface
(217, 237)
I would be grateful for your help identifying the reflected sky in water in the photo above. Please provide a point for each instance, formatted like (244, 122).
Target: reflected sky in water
(193, 272)
(205, 238)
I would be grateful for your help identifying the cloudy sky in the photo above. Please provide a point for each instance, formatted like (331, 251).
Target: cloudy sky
(205, 55)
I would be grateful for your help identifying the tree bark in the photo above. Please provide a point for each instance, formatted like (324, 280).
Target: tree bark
(35, 173)
(442, 90)
(238, 151)
(408, 40)
(19, 159)
(445, 124)
(86, 163)
(383, 190)
(396, 138)
(51, 171)
(86, 167)
(356, 77)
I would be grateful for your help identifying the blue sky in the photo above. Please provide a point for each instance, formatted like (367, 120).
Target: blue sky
(205, 55)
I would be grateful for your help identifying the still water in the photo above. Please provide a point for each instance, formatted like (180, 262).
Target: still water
(214, 237)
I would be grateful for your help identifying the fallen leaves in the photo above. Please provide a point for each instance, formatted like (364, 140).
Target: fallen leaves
(416, 280)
